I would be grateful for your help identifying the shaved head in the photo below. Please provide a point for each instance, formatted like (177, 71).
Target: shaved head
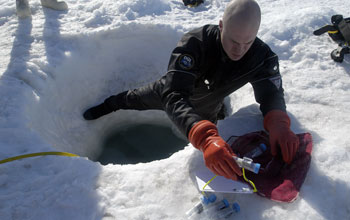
(242, 12)
(239, 27)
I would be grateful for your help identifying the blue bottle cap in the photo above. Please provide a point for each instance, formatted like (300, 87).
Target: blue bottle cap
(236, 207)
(263, 147)
(212, 198)
(205, 200)
(257, 168)
(208, 199)
(226, 203)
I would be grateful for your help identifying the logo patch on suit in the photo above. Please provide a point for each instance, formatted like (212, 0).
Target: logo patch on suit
(186, 61)
(276, 81)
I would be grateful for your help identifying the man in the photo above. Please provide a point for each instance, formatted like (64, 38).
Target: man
(23, 9)
(208, 64)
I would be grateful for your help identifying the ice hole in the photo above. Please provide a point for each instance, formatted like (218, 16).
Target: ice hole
(82, 80)
(140, 143)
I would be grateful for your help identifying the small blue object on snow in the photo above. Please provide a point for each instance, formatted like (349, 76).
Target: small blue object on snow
(208, 199)
(225, 213)
(221, 210)
(211, 209)
(236, 207)
(200, 206)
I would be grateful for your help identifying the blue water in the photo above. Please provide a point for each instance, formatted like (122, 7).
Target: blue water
(140, 143)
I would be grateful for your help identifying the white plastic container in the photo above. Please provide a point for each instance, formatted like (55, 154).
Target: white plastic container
(247, 163)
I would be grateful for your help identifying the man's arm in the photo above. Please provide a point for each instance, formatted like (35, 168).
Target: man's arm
(184, 69)
(267, 85)
(269, 94)
(178, 86)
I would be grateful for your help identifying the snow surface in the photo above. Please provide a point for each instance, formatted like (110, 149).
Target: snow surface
(54, 65)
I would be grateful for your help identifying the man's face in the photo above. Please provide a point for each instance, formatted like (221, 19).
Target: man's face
(236, 40)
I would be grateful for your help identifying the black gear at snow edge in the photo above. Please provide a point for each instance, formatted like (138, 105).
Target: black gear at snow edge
(339, 31)
(192, 3)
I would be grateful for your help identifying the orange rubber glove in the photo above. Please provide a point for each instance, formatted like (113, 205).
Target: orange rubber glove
(216, 152)
(277, 123)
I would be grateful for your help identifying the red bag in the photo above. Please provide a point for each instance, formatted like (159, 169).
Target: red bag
(276, 179)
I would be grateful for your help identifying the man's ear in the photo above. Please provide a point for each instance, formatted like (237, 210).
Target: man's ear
(221, 25)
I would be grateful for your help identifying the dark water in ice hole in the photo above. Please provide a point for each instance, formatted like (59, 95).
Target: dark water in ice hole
(140, 143)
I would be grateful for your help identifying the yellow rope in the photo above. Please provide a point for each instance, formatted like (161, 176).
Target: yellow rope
(74, 155)
(36, 155)
(245, 178)
(208, 184)
(249, 181)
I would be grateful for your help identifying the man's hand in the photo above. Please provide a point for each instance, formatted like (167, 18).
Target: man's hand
(96, 112)
(216, 152)
(277, 123)
(111, 104)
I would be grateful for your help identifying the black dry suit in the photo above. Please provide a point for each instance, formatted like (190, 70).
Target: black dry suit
(200, 75)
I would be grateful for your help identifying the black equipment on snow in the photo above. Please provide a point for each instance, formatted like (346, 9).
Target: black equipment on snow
(340, 33)
(192, 3)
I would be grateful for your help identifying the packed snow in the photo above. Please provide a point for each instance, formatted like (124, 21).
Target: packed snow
(55, 65)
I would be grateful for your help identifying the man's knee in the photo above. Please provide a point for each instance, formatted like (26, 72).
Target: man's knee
(143, 98)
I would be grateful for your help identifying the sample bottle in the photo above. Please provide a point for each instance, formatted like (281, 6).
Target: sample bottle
(221, 210)
(201, 205)
(216, 207)
(227, 212)
(256, 151)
